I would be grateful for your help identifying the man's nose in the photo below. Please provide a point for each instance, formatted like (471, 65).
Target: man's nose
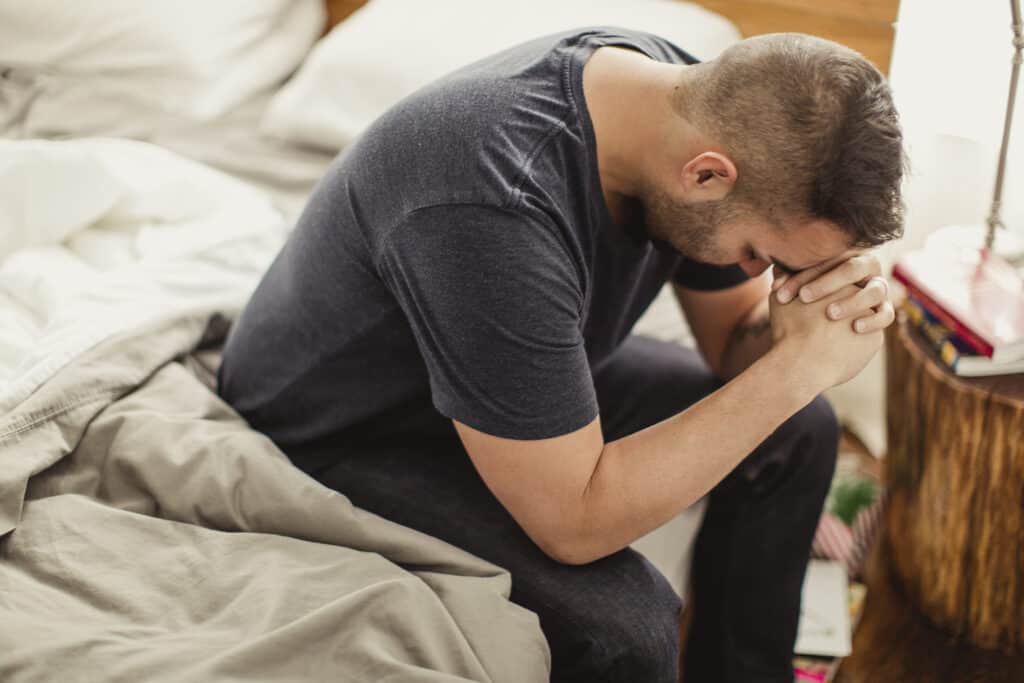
(754, 266)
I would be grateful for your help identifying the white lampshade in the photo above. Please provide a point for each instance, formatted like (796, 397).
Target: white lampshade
(950, 76)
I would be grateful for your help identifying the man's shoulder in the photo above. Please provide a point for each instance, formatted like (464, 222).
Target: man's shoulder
(467, 137)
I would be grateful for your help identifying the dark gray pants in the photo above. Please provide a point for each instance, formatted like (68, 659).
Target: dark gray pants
(616, 619)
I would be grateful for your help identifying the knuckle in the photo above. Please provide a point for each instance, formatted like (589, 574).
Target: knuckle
(810, 275)
(853, 270)
(865, 298)
(863, 267)
(872, 262)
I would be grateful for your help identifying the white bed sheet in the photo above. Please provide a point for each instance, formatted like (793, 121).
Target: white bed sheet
(102, 235)
(234, 144)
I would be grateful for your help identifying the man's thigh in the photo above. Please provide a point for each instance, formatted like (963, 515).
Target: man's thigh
(609, 620)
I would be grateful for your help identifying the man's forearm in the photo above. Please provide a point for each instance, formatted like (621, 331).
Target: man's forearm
(750, 339)
(644, 479)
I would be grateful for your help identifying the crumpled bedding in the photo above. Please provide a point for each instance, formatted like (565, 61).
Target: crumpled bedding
(146, 532)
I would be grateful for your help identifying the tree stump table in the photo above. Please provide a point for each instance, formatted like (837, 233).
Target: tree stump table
(946, 583)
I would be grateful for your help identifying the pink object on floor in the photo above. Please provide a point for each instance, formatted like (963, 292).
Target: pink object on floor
(802, 675)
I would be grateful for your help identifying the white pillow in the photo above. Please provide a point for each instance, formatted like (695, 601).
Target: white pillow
(122, 66)
(389, 48)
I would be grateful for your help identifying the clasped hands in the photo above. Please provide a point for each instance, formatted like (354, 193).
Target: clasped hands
(851, 291)
(869, 308)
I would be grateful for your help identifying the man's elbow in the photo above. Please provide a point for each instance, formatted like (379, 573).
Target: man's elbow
(571, 554)
(567, 546)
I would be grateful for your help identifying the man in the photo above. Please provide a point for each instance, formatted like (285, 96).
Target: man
(445, 336)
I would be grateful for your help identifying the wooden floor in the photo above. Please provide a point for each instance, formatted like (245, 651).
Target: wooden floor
(893, 643)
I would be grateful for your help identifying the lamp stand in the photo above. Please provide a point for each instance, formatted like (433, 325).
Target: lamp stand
(994, 219)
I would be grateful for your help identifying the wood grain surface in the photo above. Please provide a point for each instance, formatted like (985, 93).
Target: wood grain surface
(864, 25)
(954, 521)
(895, 643)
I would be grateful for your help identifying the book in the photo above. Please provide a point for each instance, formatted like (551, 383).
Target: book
(954, 351)
(949, 346)
(824, 628)
(974, 342)
(976, 294)
(981, 366)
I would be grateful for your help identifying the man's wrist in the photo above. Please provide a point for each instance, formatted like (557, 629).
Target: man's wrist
(789, 364)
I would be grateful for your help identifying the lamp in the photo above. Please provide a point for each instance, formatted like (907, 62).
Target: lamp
(994, 218)
(949, 75)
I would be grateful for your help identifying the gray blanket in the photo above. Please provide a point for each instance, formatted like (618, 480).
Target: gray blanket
(148, 534)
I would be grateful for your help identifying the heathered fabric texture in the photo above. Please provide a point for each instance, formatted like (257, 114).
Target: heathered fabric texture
(459, 252)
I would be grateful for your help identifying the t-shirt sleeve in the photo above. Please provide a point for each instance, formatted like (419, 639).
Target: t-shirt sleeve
(494, 303)
(707, 277)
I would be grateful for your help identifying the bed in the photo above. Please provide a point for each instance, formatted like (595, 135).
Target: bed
(152, 162)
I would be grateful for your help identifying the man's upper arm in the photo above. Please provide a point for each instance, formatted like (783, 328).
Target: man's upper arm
(714, 314)
(494, 306)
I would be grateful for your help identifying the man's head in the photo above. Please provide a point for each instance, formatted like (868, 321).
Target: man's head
(795, 156)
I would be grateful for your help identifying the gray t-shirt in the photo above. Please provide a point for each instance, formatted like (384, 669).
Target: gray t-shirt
(460, 252)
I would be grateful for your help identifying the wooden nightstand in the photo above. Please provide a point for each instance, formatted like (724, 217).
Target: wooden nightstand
(946, 583)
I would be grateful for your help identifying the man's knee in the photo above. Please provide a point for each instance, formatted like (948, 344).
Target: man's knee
(642, 645)
(624, 631)
(805, 450)
(816, 428)
(801, 453)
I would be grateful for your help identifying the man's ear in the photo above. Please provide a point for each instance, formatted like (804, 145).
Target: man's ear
(709, 176)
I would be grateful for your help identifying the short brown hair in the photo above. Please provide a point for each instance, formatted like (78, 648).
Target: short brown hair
(812, 128)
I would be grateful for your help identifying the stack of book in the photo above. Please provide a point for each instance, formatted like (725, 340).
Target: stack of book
(969, 305)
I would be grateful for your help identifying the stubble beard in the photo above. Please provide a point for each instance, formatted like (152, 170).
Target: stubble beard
(692, 229)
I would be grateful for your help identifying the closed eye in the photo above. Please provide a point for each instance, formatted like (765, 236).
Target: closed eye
(782, 267)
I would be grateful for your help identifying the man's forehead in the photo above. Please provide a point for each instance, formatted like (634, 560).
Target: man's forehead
(814, 243)
(833, 261)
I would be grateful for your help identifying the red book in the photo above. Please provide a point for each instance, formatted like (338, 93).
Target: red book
(978, 344)
(976, 294)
